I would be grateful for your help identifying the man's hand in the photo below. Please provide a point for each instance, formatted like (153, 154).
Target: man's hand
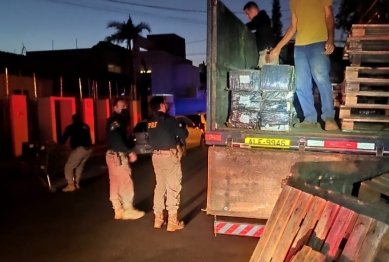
(329, 46)
(274, 54)
(132, 157)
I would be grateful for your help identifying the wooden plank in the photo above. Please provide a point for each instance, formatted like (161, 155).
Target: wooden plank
(323, 226)
(368, 119)
(337, 233)
(368, 93)
(314, 256)
(282, 221)
(367, 106)
(364, 80)
(368, 38)
(302, 254)
(356, 239)
(370, 244)
(293, 226)
(271, 223)
(307, 227)
(368, 194)
(352, 203)
(379, 187)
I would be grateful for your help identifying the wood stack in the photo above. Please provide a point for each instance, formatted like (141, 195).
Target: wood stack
(366, 87)
(309, 223)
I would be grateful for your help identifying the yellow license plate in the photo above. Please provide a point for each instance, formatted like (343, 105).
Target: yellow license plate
(267, 142)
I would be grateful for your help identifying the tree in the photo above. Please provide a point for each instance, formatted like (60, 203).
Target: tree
(361, 12)
(276, 18)
(127, 32)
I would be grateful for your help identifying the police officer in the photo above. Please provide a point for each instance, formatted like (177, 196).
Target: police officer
(120, 153)
(80, 142)
(163, 131)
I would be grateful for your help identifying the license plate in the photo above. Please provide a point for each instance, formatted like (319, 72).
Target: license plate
(267, 142)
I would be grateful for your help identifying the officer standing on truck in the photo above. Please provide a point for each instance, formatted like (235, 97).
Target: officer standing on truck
(266, 38)
(80, 142)
(120, 153)
(163, 131)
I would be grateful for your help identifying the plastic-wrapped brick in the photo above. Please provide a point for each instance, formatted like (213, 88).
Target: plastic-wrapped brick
(246, 100)
(273, 106)
(277, 77)
(244, 80)
(278, 95)
(243, 118)
(276, 115)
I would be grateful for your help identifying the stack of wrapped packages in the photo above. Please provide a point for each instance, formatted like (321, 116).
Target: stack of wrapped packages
(276, 104)
(245, 99)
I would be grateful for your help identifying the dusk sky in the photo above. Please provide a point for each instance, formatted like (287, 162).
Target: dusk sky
(36, 23)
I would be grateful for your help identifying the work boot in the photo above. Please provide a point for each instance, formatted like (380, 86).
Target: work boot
(173, 223)
(307, 125)
(118, 213)
(77, 184)
(131, 213)
(69, 188)
(330, 124)
(159, 221)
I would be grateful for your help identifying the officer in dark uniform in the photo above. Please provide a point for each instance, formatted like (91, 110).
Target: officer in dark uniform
(120, 153)
(80, 142)
(163, 131)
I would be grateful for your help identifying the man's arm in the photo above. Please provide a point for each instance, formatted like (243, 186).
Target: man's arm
(65, 136)
(275, 53)
(329, 16)
(182, 133)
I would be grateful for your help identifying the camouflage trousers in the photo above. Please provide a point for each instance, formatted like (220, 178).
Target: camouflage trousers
(168, 175)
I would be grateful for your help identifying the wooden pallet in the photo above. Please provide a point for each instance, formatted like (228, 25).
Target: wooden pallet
(358, 30)
(372, 190)
(310, 222)
(365, 124)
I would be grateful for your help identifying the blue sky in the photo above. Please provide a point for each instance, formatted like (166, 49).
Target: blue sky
(37, 23)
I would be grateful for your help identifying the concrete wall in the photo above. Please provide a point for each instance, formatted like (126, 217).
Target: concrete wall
(187, 80)
(18, 83)
(169, 74)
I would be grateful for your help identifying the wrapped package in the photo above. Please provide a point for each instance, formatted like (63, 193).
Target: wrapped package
(243, 118)
(244, 80)
(277, 95)
(277, 77)
(276, 115)
(245, 100)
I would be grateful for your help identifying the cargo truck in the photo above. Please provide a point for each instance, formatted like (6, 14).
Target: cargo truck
(247, 167)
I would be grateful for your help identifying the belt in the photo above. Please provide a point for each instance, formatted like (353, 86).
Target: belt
(165, 151)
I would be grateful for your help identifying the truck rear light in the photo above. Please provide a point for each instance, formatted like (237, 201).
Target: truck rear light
(340, 144)
(213, 137)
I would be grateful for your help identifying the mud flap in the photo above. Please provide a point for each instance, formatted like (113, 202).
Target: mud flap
(247, 182)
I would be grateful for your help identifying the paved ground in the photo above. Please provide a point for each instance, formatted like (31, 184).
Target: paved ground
(36, 225)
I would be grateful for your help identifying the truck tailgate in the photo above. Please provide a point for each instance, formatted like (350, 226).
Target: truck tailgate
(247, 182)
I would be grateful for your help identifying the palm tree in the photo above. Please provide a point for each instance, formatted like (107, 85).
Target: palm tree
(127, 32)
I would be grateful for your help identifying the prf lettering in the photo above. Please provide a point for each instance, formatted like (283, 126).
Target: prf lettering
(152, 124)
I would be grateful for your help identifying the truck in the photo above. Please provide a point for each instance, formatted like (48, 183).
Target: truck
(248, 167)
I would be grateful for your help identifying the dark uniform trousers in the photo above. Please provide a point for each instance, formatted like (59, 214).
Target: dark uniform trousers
(168, 174)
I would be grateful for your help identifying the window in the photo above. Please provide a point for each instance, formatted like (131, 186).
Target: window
(114, 69)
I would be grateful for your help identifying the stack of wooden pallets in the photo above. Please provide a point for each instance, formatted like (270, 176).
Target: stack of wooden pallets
(309, 224)
(366, 87)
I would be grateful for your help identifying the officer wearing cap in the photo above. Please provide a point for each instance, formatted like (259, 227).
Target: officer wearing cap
(163, 131)
(120, 153)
